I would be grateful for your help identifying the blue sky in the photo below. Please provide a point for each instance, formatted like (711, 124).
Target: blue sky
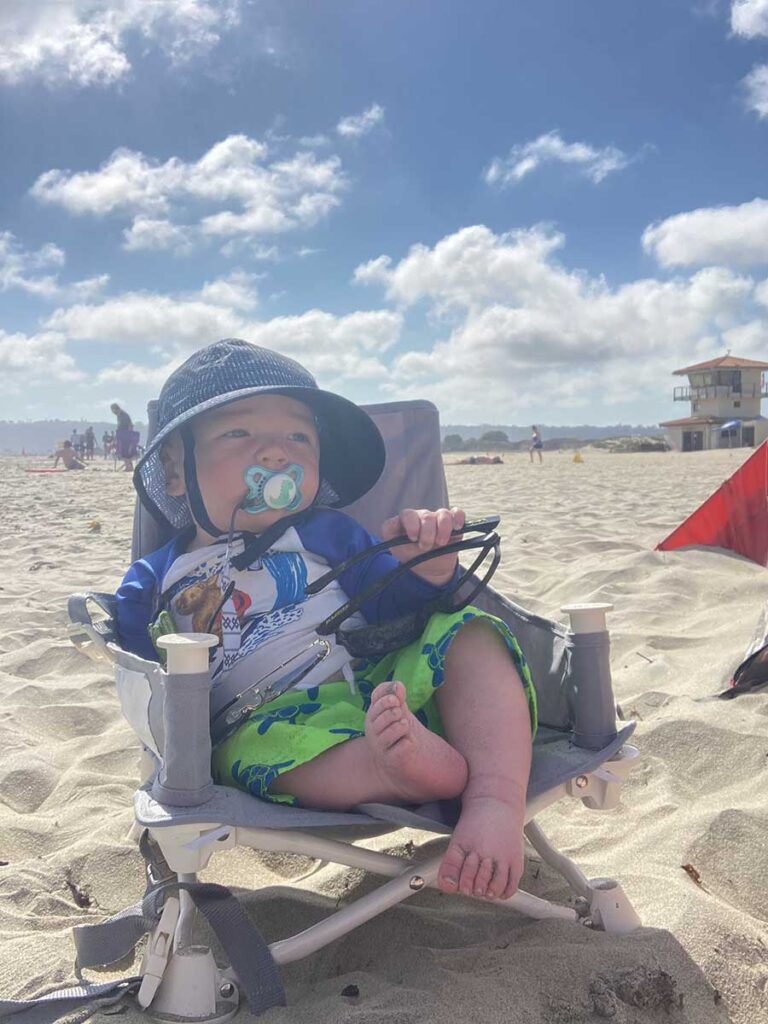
(523, 211)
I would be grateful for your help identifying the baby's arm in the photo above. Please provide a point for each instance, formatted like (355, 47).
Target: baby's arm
(336, 537)
(428, 530)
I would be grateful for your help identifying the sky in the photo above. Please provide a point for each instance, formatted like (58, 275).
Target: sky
(524, 212)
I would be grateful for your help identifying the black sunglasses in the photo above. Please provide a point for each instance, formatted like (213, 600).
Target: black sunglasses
(375, 641)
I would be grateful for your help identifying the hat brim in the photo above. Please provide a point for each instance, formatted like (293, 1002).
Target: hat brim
(352, 450)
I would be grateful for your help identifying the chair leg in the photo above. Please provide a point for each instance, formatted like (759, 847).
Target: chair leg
(609, 906)
(180, 981)
(212, 997)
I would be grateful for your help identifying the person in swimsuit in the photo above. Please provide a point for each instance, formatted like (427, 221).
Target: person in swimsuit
(68, 456)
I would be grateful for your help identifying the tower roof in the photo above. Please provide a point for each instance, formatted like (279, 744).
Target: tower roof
(725, 362)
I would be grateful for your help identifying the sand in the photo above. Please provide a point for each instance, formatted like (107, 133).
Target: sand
(571, 533)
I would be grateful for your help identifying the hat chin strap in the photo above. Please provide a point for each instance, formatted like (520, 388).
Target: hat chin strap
(194, 497)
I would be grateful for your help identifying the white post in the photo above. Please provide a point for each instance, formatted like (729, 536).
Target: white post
(187, 652)
(587, 618)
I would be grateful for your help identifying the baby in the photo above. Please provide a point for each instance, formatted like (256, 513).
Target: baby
(249, 464)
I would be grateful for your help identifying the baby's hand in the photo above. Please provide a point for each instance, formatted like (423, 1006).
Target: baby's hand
(428, 530)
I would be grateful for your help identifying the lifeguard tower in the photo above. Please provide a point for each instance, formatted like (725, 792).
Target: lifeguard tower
(725, 395)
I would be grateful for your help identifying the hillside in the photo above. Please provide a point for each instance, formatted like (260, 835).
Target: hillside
(39, 437)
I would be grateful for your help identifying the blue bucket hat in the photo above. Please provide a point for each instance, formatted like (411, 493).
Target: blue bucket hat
(352, 450)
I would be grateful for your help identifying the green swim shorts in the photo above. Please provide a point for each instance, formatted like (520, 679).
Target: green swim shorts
(301, 724)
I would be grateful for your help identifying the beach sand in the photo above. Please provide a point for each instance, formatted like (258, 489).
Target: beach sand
(586, 532)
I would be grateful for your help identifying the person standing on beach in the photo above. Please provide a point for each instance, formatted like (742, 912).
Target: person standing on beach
(90, 443)
(126, 438)
(536, 443)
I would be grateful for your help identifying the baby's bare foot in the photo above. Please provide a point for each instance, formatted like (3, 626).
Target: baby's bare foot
(411, 762)
(485, 855)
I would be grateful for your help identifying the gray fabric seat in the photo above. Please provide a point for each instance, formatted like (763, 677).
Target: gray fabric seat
(576, 711)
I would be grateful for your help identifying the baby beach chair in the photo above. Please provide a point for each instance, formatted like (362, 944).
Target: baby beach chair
(183, 819)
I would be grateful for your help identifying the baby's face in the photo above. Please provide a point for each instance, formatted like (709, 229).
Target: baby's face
(272, 431)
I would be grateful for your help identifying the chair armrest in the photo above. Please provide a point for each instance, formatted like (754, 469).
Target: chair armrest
(92, 629)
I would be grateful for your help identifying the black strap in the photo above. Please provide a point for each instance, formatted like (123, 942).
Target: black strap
(194, 497)
(258, 544)
(485, 526)
(489, 542)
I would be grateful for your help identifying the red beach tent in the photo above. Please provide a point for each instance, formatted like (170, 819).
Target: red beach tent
(734, 517)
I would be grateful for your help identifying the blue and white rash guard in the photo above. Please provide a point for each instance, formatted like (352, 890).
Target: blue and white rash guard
(277, 619)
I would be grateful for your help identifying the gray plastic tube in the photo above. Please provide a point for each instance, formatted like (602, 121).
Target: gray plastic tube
(591, 690)
(184, 779)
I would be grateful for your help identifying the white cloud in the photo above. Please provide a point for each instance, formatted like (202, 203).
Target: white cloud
(25, 270)
(473, 267)
(337, 348)
(756, 87)
(237, 291)
(526, 332)
(251, 248)
(28, 360)
(733, 235)
(270, 197)
(749, 18)
(134, 374)
(750, 340)
(20, 268)
(157, 233)
(344, 348)
(526, 157)
(357, 125)
(146, 318)
(83, 42)
(88, 288)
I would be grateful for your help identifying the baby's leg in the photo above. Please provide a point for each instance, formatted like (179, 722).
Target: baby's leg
(485, 715)
(397, 761)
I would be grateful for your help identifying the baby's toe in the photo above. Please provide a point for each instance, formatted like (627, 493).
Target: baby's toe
(388, 691)
(469, 873)
(450, 869)
(383, 715)
(512, 885)
(484, 875)
(391, 732)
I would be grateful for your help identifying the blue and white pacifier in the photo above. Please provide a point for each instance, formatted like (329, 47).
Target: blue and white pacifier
(273, 489)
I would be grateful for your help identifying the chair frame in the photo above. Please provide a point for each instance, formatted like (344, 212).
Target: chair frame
(180, 979)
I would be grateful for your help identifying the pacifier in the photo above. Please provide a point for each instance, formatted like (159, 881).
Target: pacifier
(275, 489)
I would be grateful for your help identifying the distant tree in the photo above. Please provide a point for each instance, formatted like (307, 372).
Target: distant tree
(494, 439)
(453, 443)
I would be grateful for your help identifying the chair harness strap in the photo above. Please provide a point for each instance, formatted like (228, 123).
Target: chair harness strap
(111, 940)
